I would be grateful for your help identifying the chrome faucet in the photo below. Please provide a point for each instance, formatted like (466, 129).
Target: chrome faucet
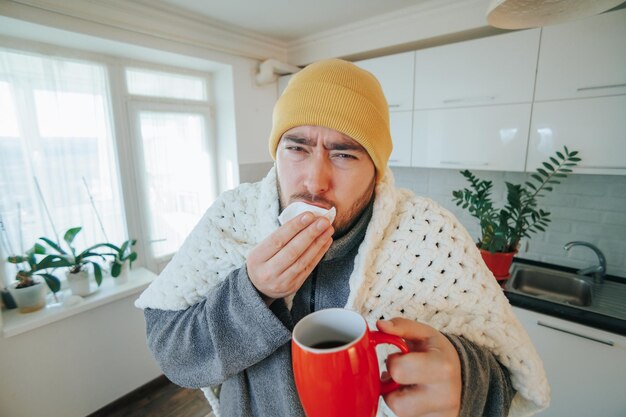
(597, 271)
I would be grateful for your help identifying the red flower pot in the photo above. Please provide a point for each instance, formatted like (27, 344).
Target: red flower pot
(498, 263)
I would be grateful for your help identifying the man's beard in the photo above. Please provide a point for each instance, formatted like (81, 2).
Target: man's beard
(344, 221)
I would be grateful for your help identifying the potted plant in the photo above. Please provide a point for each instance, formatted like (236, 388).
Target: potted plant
(29, 291)
(77, 263)
(502, 228)
(122, 254)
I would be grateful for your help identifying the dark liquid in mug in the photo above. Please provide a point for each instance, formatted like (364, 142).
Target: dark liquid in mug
(329, 344)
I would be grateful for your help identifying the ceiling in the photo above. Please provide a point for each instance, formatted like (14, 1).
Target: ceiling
(288, 20)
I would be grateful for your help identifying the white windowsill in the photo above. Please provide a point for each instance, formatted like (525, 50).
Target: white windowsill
(15, 323)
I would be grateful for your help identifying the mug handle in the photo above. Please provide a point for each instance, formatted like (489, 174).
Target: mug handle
(378, 338)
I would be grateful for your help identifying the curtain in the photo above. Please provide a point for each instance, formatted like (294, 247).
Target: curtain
(57, 153)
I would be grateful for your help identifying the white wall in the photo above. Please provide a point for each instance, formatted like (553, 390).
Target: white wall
(253, 114)
(75, 366)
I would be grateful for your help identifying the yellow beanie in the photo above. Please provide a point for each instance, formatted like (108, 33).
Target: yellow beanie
(338, 95)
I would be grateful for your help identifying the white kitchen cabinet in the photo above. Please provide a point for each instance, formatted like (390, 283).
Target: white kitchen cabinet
(486, 138)
(586, 367)
(400, 126)
(395, 74)
(494, 70)
(583, 58)
(594, 126)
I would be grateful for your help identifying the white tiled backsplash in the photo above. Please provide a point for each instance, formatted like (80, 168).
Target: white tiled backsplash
(583, 207)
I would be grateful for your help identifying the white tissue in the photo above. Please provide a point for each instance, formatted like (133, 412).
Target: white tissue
(299, 207)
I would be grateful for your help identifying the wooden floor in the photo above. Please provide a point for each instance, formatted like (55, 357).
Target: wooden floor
(159, 398)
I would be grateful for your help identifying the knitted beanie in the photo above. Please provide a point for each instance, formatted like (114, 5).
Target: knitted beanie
(338, 95)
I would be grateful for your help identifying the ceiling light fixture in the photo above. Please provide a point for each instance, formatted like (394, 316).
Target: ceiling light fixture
(522, 14)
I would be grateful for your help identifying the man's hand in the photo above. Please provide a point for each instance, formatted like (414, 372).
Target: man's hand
(431, 372)
(279, 264)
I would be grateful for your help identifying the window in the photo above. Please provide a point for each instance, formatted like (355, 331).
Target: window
(175, 155)
(149, 83)
(57, 151)
(60, 160)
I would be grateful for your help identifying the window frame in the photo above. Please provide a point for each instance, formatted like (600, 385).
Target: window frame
(125, 147)
(134, 107)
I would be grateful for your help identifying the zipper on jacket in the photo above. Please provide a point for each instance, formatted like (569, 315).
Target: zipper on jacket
(313, 285)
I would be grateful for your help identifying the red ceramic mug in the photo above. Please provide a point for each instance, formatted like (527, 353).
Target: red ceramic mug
(335, 364)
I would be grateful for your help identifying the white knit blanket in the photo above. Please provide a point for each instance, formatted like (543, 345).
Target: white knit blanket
(416, 261)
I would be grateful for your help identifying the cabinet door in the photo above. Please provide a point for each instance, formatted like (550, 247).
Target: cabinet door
(395, 73)
(583, 58)
(587, 375)
(488, 138)
(400, 125)
(594, 126)
(494, 70)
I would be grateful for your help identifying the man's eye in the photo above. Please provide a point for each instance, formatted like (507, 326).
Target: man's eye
(295, 148)
(344, 156)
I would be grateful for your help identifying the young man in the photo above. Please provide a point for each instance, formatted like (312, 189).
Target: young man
(222, 312)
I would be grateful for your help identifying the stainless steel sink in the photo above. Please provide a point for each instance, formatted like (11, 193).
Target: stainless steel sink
(593, 304)
(562, 287)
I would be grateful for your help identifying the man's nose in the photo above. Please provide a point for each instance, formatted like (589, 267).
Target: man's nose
(317, 180)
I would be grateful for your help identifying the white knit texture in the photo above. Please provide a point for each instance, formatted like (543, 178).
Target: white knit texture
(416, 261)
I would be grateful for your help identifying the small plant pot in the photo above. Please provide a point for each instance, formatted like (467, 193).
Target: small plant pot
(29, 299)
(499, 263)
(79, 283)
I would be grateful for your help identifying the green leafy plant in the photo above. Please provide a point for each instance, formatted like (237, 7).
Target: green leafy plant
(122, 254)
(502, 229)
(25, 276)
(76, 262)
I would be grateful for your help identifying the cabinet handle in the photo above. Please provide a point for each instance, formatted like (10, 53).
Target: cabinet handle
(599, 87)
(393, 106)
(558, 329)
(482, 164)
(469, 99)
